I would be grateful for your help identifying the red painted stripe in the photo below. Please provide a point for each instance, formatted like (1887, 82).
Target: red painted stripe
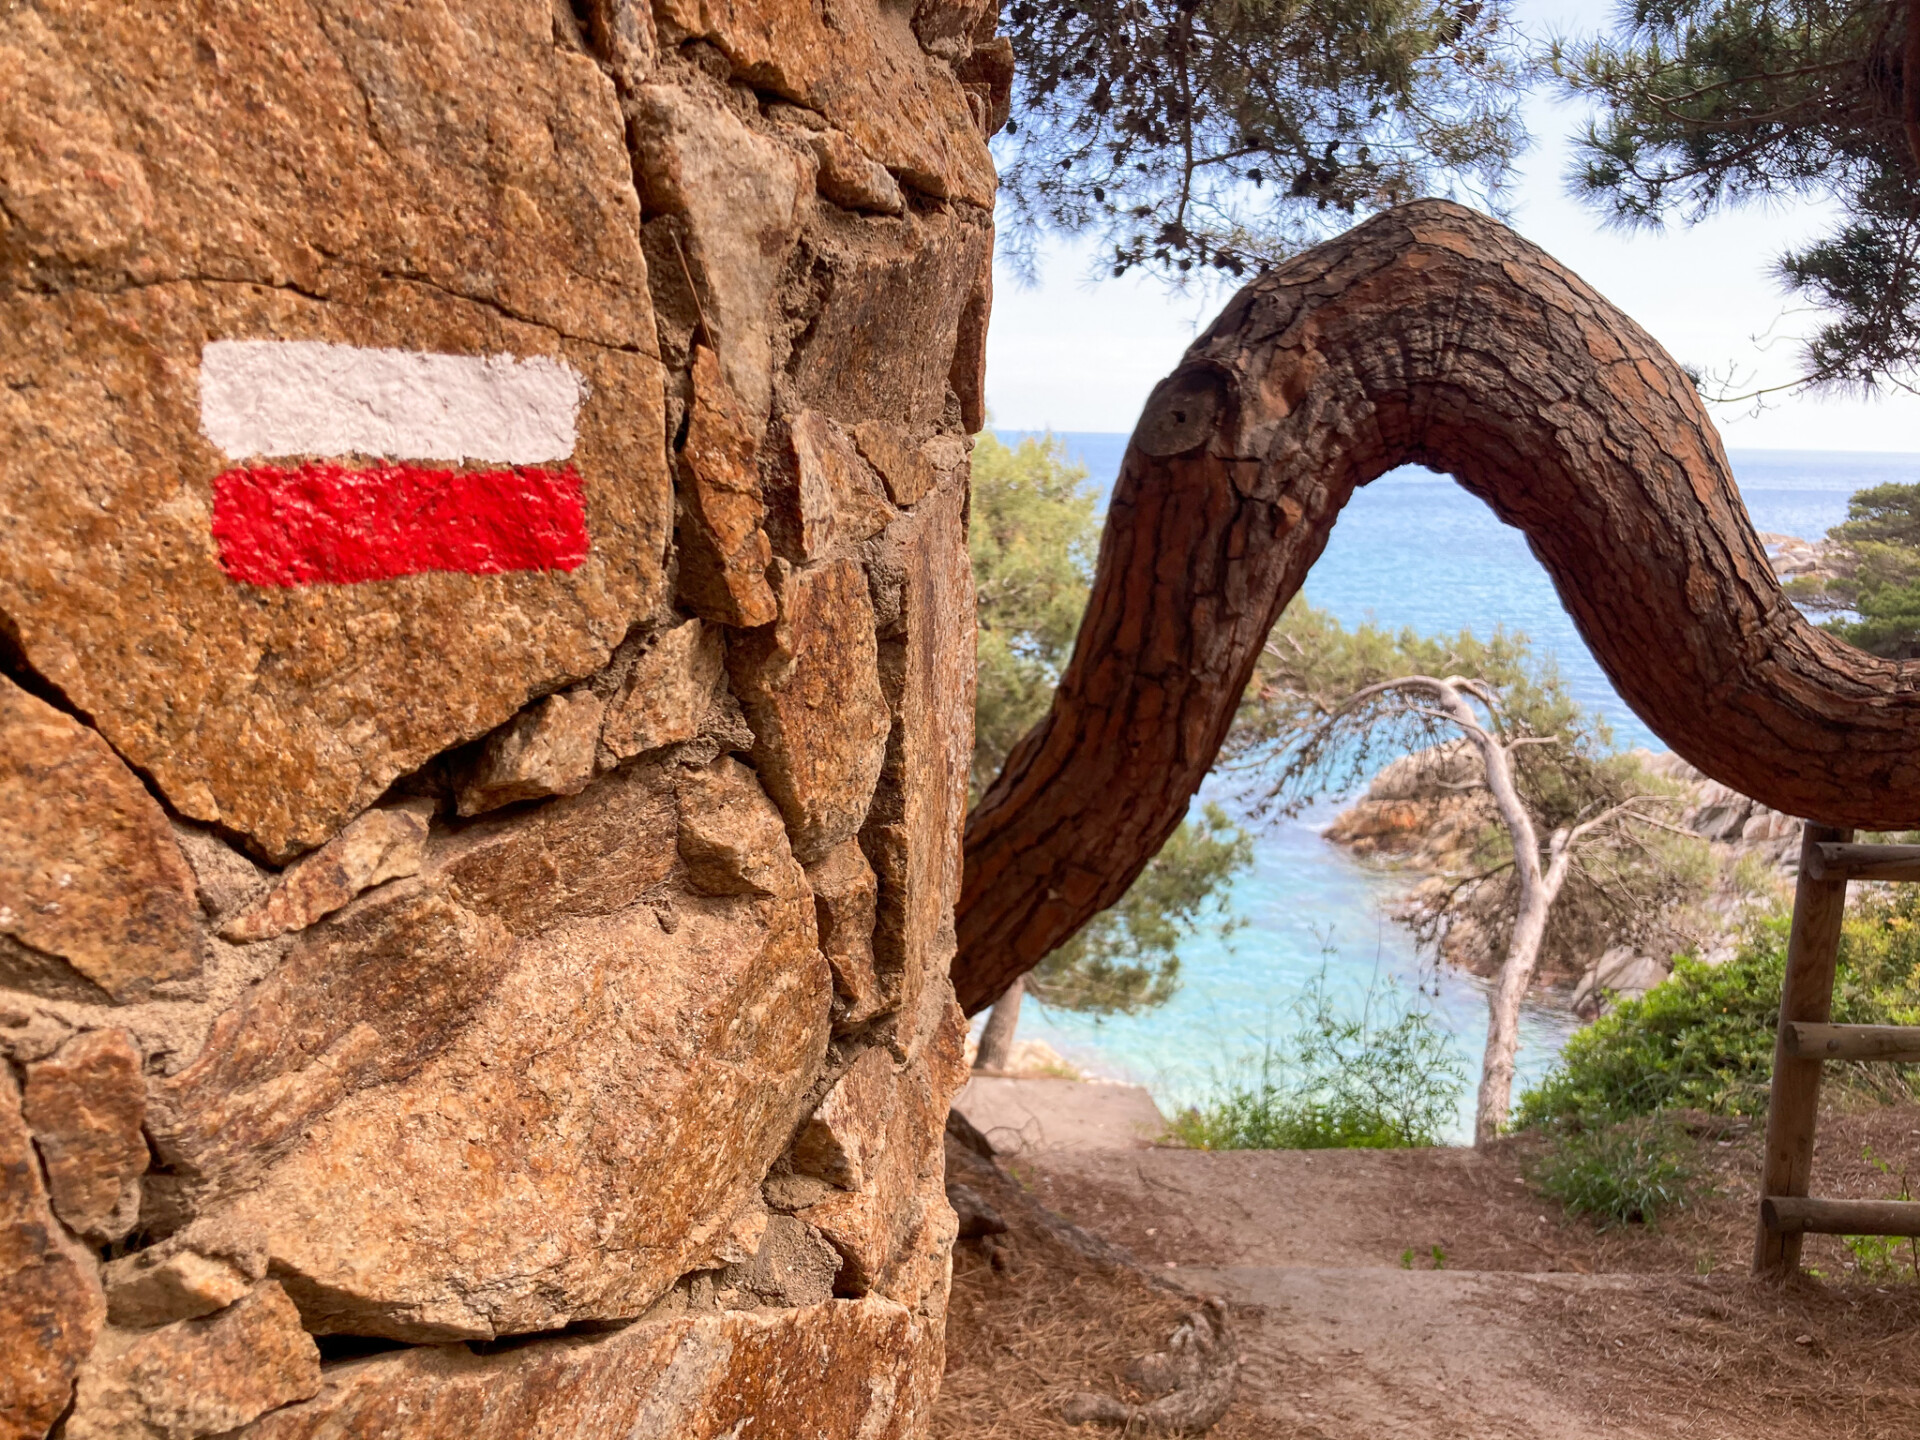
(328, 524)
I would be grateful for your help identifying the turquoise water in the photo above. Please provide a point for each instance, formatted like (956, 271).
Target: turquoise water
(1411, 549)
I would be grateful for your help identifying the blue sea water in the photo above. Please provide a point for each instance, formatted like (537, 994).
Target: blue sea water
(1411, 549)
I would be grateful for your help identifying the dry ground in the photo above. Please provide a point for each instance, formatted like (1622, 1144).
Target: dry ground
(1538, 1327)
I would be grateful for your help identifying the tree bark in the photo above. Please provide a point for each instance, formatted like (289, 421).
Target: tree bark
(1538, 891)
(1434, 336)
(996, 1036)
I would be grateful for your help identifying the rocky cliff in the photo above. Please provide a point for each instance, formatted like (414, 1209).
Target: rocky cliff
(485, 698)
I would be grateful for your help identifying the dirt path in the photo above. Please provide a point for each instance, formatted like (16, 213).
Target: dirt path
(1433, 1295)
(1398, 1355)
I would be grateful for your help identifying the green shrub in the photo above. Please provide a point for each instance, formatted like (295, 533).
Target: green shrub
(1625, 1174)
(1384, 1077)
(1886, 1257)
(1704, 1039)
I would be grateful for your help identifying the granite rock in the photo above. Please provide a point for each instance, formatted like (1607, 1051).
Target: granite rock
(850, 177)
(381, 845)
(621, 33)
(193, 1272)
(811, 691)
(791, 1265)
(846, 894)
(596, 853)
(873, 280)
(548, 906)
(85, 1104)
(547, 749)
(724, 551)
(839, 498)
(913, 835)
(91, 881)
(967, 376)
(52, 1312)
(889, 1216)
(666, 696)
(906, 469)
(845, 1137)
(951, 28)
(731, 836)
(861, 67)
(627, 1084)
(225, 878)
(362, 999)
(837, 1370)
(197, 1377)
(740, 194)
(395, 177)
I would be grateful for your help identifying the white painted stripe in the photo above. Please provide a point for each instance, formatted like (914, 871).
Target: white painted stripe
(306, 397)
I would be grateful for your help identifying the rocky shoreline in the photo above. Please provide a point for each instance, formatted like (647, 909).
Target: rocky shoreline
(1428, 817)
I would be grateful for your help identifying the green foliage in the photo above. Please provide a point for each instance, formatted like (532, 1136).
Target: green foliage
(1312, 664)
(1881, 536)
(1034, 539)
(1704, 1038)
(1382, 1077)
(1882, 515)
(1625, 1174)
(1300, 734)
(1879, 979)
(1886, 1257)
(1711, 103)
(1229, 133)
(1126, 959)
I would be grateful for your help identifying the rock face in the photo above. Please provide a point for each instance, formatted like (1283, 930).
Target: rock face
(94, 893)
(485, 701)
(84, 1104)
(1428, 814)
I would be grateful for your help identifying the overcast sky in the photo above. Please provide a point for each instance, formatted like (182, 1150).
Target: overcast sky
(1077, 354)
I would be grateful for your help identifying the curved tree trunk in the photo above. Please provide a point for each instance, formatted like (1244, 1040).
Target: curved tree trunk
(1435, 336)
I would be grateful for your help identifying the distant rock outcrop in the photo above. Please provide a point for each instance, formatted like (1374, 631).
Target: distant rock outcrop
(1428, 812)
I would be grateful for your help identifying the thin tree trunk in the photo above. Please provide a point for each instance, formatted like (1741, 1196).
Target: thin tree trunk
(1510, 987)
(1535, 902)
(996, 1036)
(1434, 336)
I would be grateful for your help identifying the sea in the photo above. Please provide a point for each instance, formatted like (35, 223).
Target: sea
(1411, 549)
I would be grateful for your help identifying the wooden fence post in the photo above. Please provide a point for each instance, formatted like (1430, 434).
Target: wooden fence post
(1813, 948)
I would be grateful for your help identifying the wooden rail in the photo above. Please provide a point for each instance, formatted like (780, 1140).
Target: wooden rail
(1828, 860)
(1796, 1215)
(1806, 1041)
(1839, 861)
(1806, 996)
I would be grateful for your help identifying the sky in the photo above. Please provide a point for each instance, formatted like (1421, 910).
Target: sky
(1072, 353)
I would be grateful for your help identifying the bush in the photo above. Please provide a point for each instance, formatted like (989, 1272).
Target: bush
(1624, 1174)
(1704, 1039)
(1384, 1078)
